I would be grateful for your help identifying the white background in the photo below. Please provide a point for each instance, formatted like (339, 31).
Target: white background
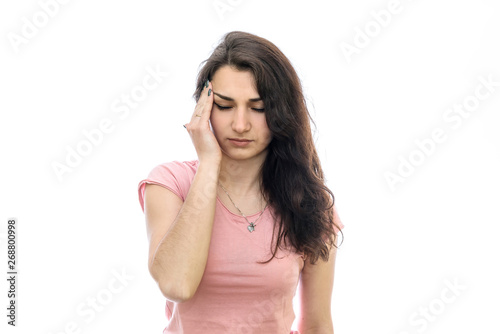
(402, 244)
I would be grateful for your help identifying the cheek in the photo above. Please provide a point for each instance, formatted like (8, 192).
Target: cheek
(269, 136)
(266, 132)
(217, 119)
(214, 115)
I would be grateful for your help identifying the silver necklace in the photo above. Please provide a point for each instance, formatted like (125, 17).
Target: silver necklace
(251, 225)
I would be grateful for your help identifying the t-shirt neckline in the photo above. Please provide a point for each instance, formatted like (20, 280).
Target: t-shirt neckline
(237, 215)
(226, 208)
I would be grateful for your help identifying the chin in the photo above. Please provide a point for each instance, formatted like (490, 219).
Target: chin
(244, 155)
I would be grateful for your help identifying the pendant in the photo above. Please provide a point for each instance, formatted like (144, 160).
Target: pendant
(251, 227)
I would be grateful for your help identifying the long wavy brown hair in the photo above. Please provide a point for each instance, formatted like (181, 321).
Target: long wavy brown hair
(292, 179)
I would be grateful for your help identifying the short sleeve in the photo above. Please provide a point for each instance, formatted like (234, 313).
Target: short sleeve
(175, 176)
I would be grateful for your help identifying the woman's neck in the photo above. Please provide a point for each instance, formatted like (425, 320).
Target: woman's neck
(241, 177)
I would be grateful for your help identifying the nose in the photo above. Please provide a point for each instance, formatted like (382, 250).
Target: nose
(241, 123)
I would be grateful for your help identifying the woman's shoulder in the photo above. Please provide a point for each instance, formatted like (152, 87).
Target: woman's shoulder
(176, 175)
(173, 171)
(193, 164)
(179, 165)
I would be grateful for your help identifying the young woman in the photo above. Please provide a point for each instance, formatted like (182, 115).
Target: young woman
(235, 232)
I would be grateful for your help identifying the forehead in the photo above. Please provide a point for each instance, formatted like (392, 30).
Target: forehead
(237, 84)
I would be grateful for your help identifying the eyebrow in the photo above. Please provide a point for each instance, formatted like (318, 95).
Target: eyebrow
(231, 99)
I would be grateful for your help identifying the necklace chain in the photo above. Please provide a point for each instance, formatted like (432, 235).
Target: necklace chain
(251, 225)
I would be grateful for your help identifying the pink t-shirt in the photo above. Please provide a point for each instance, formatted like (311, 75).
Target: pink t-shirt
(235, 295)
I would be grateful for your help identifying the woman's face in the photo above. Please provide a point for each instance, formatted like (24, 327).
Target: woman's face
(242, 118)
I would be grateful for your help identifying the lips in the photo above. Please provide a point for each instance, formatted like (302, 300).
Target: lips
(240, 140)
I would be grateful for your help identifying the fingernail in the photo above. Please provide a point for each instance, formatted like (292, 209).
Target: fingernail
(209, 91)
(184, 126)
(206, 83)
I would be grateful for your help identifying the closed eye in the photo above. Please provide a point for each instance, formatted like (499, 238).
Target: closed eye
(225, 108)
(221, 107)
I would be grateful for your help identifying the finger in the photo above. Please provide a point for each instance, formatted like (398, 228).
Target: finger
(207, 108)
(198, 110)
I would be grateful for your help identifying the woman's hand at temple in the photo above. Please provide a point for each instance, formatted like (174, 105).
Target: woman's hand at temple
(203, 139)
